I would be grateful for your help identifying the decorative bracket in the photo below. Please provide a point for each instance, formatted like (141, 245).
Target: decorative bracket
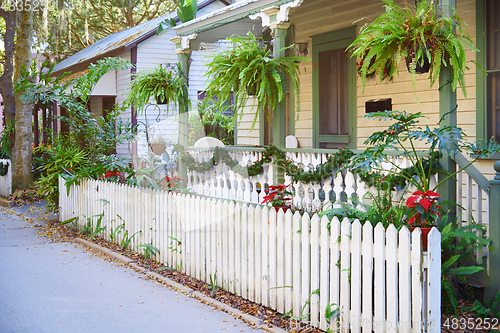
(276, 16)
(182, 43)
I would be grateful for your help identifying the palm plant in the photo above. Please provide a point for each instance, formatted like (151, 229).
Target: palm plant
(419, 34)
(248, 69)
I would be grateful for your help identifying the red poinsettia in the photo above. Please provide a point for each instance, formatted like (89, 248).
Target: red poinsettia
(423, 208)
(112, 174)
(172, 183)
(278, 195)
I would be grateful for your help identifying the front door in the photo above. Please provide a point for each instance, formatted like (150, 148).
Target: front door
(334, 90)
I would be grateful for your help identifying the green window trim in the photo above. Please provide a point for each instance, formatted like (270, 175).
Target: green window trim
(339, 38)
(481, 76)
(481, 88)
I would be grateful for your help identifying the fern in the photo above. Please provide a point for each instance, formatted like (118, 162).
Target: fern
(249, 69)
(402, 32)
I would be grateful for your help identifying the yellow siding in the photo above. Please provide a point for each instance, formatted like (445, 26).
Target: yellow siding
(321, 16)
(316, 17)
(245, 137)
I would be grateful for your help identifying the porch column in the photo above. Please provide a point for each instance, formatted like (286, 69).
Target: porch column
(276, 18)
(448, 117)
(279, 114)
(183, 52)
(494, 232)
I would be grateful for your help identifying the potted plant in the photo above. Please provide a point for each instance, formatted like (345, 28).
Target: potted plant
(279, 197)
(249, 69)
(418, 34)
(402, 135)
(159, 83)
(424, 213)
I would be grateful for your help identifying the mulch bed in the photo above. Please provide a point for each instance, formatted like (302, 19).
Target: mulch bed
(24, 197)
(56, 232)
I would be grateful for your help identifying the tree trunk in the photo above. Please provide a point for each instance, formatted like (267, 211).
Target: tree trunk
(9, 103)
(22, 151)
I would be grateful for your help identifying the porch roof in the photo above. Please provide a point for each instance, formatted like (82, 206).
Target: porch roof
(226, 17)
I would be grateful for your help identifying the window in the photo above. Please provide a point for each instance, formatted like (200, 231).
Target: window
(493, 68)
(228, 106)
(488, 57)
(334, 90)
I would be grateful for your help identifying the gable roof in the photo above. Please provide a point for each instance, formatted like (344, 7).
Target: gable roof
(114, 44)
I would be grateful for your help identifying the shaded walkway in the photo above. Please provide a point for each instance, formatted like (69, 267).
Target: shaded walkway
(58, 287)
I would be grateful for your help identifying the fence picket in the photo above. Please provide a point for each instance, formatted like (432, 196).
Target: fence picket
(226, 227)
(244, 251)
(218, 235)
(306, 266)
(251, 254)
(238, 248)
(258, 254)
(296, 275)
(367, 283)
(315, 269)
(391, 249)
(288, 265)
(404, 259)
(324, 284)
(434, 282)
(416, 277)
(272, 259)
(379, 267)
(345, 268)
(355, 277)
(264, 278)
(280, 262)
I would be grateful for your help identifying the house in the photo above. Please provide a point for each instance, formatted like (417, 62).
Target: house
(333, 100)
(327, 28)
(145, 49)
(333, 104)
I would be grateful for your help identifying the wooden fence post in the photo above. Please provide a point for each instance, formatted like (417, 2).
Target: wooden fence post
(494, 277)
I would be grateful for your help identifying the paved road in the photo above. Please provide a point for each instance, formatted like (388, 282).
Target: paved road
(59, 287)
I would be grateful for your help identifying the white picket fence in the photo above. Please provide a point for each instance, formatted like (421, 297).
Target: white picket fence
(6, 181)
(379, 280)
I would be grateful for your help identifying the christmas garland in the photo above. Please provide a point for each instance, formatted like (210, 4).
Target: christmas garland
(332, 165)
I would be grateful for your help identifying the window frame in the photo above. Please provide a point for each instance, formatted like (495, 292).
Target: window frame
(335, 39)
(481, 76)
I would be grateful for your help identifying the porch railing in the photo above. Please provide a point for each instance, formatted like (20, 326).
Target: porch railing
(222, 182)
(369, 278)
(6, 181)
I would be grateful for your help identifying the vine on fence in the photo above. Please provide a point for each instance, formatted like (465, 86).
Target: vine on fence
(334, 163)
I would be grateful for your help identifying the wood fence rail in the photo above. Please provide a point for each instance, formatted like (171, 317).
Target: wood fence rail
(378, 280)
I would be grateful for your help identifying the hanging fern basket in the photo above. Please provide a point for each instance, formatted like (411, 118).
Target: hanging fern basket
(422, 65)
(158, 148)
(161, 101)
(252, 89)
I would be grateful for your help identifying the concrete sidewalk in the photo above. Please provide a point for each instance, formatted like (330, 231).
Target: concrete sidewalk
(59, 287)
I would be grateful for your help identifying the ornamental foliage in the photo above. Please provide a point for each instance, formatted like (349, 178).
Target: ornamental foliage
(417, 34)
(161, 84)
(249, 69)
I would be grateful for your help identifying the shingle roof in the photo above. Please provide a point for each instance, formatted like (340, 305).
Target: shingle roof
(111, 42)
